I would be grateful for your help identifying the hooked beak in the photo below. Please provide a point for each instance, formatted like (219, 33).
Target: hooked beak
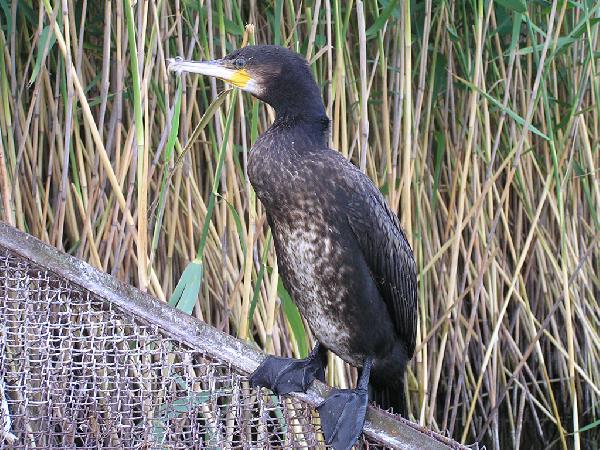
(238, 77)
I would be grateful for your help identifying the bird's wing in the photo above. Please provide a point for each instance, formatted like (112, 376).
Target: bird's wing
(390, 259)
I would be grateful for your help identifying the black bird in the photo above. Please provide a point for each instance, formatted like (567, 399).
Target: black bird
(342, 254)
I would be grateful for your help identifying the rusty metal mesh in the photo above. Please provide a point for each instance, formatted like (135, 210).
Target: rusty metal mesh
(78, 372)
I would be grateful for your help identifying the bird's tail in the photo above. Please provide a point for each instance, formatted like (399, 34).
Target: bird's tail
(389, 393)
(386, 385)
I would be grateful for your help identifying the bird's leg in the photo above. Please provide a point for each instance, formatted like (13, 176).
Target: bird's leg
(285, 375)
(343, 413)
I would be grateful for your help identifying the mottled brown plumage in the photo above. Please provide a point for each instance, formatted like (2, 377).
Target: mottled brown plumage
(341, 252)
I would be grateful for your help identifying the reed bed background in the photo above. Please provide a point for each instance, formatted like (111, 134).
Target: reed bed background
(477, 119)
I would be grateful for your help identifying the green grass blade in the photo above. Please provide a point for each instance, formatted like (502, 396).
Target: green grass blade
(167, 157)
(513, 115)
(217, 178)
(259, 278)
(589, 426)
(518, 6)
(294, 319)
(186, 292)
(45, 44)
(382, 19)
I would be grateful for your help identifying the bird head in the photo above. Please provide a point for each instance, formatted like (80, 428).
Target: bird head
(273, 74)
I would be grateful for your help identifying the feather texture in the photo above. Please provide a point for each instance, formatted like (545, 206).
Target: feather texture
(390, 260)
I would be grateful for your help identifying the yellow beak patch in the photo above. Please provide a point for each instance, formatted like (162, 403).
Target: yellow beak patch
(239, 78)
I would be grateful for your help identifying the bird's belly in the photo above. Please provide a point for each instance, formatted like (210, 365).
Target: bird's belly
(309, 260)
(331, 332)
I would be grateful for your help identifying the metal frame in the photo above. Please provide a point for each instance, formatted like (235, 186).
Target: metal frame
(391, 430)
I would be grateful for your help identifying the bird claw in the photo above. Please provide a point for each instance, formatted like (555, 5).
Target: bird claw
(285, 375)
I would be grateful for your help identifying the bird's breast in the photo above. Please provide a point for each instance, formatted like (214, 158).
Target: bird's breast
(318, 257)
(283, 171)
(312, 269)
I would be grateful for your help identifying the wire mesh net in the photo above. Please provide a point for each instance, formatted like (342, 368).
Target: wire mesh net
(78, 372)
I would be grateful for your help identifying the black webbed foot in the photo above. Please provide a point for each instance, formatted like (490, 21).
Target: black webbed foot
(342, 417)
(343, 413)
(285, 375)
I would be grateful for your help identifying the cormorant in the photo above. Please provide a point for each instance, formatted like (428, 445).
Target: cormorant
(342, 254)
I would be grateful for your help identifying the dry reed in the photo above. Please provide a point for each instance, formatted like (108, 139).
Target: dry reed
(478, 120)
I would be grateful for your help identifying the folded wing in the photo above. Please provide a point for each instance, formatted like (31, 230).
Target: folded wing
(390, 259)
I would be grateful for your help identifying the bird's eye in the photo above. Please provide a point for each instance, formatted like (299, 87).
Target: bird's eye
(239, 62)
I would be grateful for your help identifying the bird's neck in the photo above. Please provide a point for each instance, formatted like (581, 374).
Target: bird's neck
(308, 116)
